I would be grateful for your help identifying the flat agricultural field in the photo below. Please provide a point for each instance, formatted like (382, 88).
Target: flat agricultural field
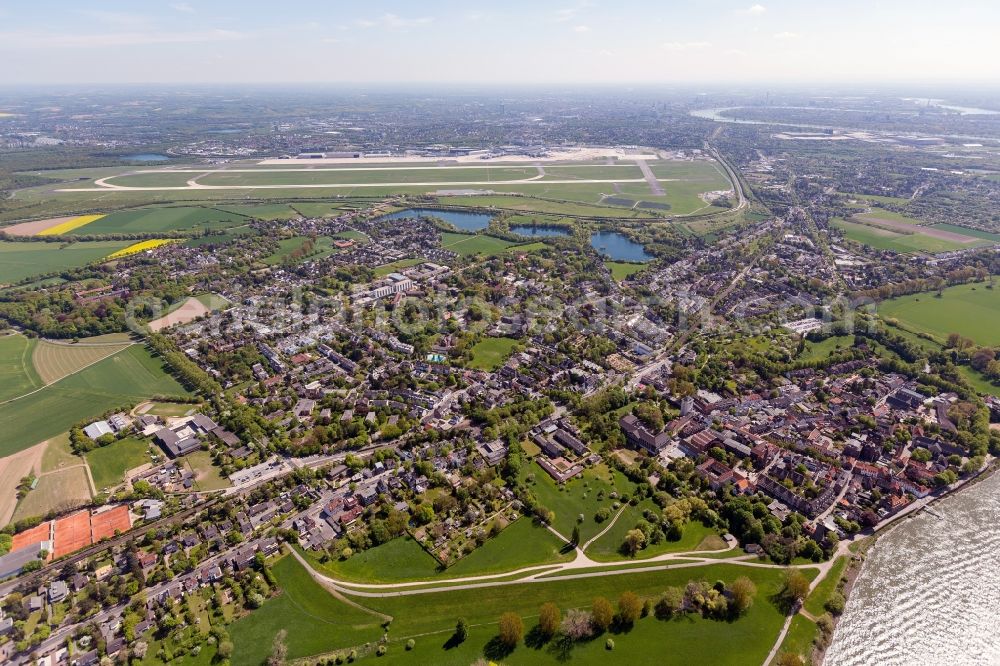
(56, 491)
(59, 454)
(153, 220)
(21, 260)
(17, 372)
(262, 211)
(188, 310)
(108, 464)
(491, 353)
(904, 237)
(47, 227)
(973, 310)
(127, 377)
(292, 249)
(55, 360)
(12, 469)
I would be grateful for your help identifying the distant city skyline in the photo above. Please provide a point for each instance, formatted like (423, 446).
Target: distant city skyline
(446, 41)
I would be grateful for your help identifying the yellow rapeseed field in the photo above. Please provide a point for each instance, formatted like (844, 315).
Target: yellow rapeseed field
(70, 225)
(141, 247)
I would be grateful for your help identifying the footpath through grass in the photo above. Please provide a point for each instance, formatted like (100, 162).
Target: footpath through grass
(608, 547)
(687, 640)
(520, 545)
(584, 495)
(315, 621)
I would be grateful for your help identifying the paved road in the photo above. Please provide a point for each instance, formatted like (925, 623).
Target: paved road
(655, 188)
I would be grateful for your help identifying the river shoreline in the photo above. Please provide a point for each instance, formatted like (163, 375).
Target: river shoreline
(921, 583)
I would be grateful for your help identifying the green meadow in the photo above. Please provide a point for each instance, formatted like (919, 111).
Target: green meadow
(972, 310)
(21, 260)
(108, 464)
(491, 353)
(622, 270)
(17, 372)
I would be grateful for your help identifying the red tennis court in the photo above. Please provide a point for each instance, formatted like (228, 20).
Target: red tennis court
(30, 537)
(105, 523)
(72, 533)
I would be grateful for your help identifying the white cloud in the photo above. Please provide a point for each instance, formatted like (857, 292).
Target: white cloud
(685, 46)
(183, 7)
(567, 14)
(391, 21)
(786, 36)
(581, 28)
(755, 10)
(120, 19)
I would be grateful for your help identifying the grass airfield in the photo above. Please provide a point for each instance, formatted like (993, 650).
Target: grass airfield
(608, 187)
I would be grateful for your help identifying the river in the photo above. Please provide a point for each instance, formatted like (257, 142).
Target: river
(929, 591)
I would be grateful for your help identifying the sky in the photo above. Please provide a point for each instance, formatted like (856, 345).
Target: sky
(499, 42)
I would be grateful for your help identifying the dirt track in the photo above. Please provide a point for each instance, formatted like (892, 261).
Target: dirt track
(189, 311)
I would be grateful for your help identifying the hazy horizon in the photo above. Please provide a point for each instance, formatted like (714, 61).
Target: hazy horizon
(585, 43)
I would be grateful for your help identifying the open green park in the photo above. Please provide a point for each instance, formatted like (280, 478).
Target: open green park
(491, 353)
(521, 544)
(694, 537)
(622, 270)
(124, 378)
(596, 488)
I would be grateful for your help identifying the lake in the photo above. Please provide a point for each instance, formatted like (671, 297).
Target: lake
(460, 219)
(532, 230)
(618, 246)
(146, 157)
